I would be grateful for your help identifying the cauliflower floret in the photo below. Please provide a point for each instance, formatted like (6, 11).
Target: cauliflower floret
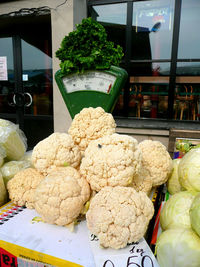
(60, 197)
(57, 150)
(22, 186)
(90, 124)
(142, 181)
(157, 161)
(119, 215)
(111, 160)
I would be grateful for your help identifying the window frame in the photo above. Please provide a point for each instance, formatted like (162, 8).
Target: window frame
(173, 64)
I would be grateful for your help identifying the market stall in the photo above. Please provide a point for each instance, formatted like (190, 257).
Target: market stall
(31, 229)
(91, 196)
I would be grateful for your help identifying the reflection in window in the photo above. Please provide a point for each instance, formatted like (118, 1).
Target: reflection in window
(148, 101)
(152, 29)
(187, 96)
(6, 50)
(186, 104)
(189, 38)
(37, 79)
(188, 68)
(115, 14)
(113, 18)
(7, 86)
(145, 69)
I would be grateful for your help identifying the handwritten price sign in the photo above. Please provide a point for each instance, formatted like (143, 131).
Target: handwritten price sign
(136, 254)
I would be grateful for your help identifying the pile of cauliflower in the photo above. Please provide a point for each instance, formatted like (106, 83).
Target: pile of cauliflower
(95, 173)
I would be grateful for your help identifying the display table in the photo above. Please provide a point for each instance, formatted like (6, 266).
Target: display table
(25, 239)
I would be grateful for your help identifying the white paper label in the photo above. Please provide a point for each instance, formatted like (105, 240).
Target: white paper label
(25, 77)
(3, 69)
(136, 254)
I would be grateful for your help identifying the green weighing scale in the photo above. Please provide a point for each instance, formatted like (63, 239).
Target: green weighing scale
(93, 88)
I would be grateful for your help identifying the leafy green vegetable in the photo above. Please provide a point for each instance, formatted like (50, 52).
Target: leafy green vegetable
(3, 191)
(86, 48)
(195, 214)
(179, 247)
(10, 168)
(173, 185)
(2, 155)
(189, 170)
(175, 212)
(12, 139)
(183, 145)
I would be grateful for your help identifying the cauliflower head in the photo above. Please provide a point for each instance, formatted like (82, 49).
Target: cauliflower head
(57, 150)
(60, 197)
(157, 161)
(142, 181)
(111, 160)
(22, 186)
(90, 124)
(119, 215)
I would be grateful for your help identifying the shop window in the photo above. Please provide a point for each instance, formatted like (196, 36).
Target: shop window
(26, 94)
(152, 27)
(148, 101)
(188, 69)
(7, 85)
(187, 104)
(37, 78)
(113, 18)
(149, 68)
(189, 39)
(164, 76)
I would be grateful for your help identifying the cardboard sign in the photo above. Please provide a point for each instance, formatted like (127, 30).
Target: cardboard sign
(135, 254)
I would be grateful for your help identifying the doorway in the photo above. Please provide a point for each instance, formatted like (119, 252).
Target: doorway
(26, 90)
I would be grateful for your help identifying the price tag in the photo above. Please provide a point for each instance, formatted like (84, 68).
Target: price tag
(136, 254)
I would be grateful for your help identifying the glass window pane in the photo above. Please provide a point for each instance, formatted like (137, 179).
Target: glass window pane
(115, 13)
(148, 101)
(37, 79)
(152, 29)
(113, 18)
(188, 68)
(187, 102)
(189, 38)
(149, 69)
(7, 86)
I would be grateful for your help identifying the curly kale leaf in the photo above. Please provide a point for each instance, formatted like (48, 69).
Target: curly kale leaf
(86, 48)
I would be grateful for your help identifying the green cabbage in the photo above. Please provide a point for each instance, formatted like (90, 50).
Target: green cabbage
(195, 214)
(12, 139)
(178, 247)
(175, 212)
(2, 155)
(3, 192)
(10, 168)
(189, 170)
(27, 156)
(173, 185)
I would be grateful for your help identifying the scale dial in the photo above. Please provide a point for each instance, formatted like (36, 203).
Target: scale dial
(89, 81)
